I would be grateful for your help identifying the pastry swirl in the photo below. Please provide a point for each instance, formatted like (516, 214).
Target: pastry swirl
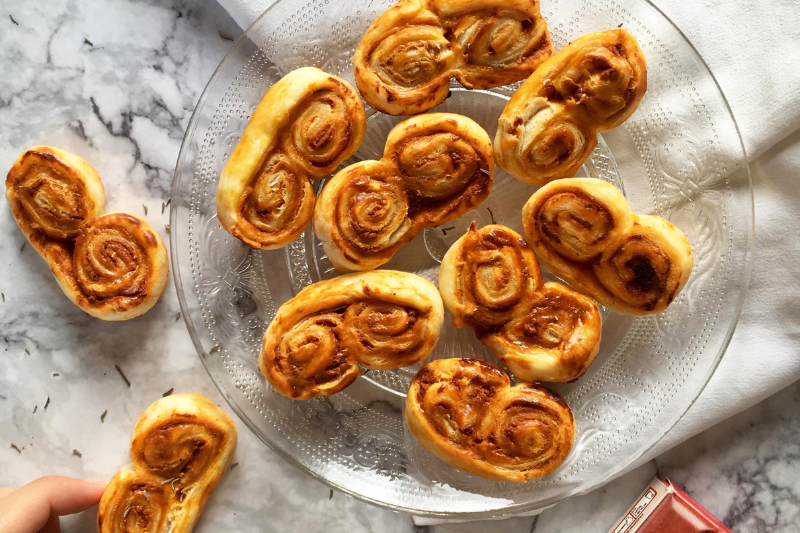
(113, 266)
(180, 448)
(466, 412)
(549, 126)
(435, 168)
(405, 60)
(317, 341)
(303, 128)
(490, 281)
(585, 232)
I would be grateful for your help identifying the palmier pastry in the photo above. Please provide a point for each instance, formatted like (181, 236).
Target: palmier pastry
(304, 127)
(404, 62)
(113, 266)
(550, 125)
(317, 341)
(435, 168)
(490, 281)
(585, 232)
(180, 447)
(467, 413)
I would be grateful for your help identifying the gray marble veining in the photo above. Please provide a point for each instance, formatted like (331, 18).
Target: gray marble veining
(116, 81)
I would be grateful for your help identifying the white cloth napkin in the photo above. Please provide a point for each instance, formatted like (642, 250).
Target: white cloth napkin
(753, 49)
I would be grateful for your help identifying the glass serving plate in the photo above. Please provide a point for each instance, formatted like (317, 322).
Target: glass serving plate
(679, 156)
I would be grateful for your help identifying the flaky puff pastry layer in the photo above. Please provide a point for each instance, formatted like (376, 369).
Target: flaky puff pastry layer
(435, 168)
(467, 413)
(319, 339)
(584, 231)
(490, 281)
(180, 448)
(549, 126)
(404, 62)
(113, 266)
(305, 126)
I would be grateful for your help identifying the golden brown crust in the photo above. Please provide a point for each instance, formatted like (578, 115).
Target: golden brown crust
(550, 125)
(180, 448)
(467, 413)
(382, 320)
(585, 232)
(303, 128)
(113, 266)
(435, 168)
(405, 60)
(490, 281)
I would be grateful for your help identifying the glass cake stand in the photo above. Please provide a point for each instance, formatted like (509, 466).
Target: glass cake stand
(679, 156)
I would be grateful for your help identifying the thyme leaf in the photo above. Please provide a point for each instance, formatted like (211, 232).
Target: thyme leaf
(128, 383)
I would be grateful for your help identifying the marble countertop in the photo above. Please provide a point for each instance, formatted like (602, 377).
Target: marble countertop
(116, 81)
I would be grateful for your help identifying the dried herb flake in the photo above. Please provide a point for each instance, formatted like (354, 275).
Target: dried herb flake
(56, 374)
(12, 20)
(35, 408)
(76, 452)
(123, 375)
(23, 246)
(87, 41)
(491, 214)
(234, 465)
(330, 495)
(167, 394)
(27, 351)
(103, 416)
(16, 447)
(166, 227)
(225, 37)
(178, 316)
(163, 206)
(47, 403)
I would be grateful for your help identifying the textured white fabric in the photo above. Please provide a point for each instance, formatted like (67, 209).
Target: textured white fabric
(753, 49)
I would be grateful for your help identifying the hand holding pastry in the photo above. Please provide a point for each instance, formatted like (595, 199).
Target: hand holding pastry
(585, 232)
(305, 126)
(317, 341)
(435, 168)
(404, 62)
(467, 413)
(180, 448)
(490, 281)
(550, 125)
(113, 266)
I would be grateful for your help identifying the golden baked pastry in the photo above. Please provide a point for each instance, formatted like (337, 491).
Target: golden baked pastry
(113, 266)
(490, 281)
(304, 127)
(405, 60)
(382, 320)
(584, 231)
(550, 125)
(180, 448)
(467, 413)
(435, 168)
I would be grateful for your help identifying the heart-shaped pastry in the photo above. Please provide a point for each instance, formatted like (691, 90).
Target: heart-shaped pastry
(549, 126)
(490, 281)
(319, 339)
(405, 60)
(584, 231)
(113, 266)
(434, 168)
(180, 448)
(467, 413)
(303, 128)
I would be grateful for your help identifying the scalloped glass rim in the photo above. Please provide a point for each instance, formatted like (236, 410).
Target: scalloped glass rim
(509, 510)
